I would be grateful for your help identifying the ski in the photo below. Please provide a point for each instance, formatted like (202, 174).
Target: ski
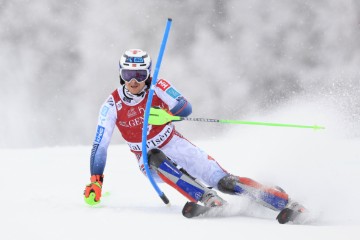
(286, 216)
(192, 209)
(294, 213)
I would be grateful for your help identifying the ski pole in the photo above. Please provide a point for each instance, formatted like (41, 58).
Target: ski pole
(159, 116)
(147, 111)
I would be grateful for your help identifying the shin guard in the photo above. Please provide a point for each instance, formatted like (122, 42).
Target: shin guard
(175, 177)
(267, 196)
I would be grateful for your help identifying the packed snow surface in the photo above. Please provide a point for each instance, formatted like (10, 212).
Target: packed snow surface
(42, 188)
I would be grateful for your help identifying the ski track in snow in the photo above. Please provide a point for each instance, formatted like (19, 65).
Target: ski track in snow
(42, 188)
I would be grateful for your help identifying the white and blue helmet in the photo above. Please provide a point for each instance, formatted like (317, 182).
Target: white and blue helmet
(135, 64)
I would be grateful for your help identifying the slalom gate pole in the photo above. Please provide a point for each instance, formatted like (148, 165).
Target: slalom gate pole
(147, 112)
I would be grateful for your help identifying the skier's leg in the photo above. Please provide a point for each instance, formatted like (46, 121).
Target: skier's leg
(183, 182)
(273, 198)
(196, 161)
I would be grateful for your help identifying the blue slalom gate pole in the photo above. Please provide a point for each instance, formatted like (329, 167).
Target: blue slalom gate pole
(147, 112)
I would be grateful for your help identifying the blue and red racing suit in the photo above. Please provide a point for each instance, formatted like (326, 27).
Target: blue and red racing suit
(126, 111)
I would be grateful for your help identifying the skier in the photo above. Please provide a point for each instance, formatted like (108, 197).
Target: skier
(172, 158)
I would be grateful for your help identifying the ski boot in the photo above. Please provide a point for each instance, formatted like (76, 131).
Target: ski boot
(211, 199)
(213, 204)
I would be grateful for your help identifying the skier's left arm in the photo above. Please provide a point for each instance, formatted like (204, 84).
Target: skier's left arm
(178, 104)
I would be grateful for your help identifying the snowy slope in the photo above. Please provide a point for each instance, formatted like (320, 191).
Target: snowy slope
(42, 188)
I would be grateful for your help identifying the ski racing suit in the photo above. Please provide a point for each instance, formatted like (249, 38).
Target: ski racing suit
(185, 162)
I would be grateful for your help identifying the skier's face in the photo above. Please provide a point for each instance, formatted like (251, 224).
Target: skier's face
(134, 86)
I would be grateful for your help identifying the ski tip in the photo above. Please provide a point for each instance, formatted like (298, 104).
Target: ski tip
(294, 217)
(286, 215)
(192, 209)
(188, 210)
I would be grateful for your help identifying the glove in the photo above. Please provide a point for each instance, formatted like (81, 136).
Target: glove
(92, 192)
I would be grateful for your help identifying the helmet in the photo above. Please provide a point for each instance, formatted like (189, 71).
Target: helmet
(135, 59)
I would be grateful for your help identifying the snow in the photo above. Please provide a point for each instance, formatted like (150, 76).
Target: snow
(42, 187)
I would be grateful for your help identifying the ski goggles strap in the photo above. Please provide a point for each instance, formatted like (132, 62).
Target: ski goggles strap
(139, 75)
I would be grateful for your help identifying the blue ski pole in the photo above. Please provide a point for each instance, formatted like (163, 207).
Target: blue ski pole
(147, 112)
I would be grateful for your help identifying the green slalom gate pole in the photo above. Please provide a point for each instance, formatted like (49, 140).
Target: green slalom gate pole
(160, 116)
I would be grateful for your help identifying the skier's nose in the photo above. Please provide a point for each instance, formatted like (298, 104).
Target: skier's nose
(133, 81)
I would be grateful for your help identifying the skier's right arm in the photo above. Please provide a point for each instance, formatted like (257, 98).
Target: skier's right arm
(104, 130)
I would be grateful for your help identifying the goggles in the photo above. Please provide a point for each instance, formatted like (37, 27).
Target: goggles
(138, 75)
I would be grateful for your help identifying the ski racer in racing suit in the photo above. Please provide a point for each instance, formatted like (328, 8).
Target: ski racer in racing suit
(172, 158)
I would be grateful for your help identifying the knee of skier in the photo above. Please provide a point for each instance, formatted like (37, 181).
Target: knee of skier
(156, 157)
(227, 184)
